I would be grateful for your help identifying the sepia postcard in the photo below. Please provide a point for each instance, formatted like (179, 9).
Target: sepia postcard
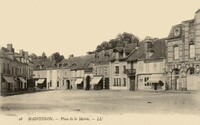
(99, 62)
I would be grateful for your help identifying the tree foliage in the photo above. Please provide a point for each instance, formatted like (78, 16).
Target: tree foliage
(57, 57)
(124, 38)
(44, 56)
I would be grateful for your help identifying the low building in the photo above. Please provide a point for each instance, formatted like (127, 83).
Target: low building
(74, 71)
(101, 69)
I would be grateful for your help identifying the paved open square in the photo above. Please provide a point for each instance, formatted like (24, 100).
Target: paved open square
(101, 102)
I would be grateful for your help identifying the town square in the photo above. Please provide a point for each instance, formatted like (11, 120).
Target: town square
(98, 59)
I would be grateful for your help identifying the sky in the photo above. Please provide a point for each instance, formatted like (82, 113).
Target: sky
(78, 26)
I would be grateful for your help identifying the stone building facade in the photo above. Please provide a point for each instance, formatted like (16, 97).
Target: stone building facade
(183, 55)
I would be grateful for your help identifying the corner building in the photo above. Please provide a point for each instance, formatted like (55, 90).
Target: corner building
(183, 55)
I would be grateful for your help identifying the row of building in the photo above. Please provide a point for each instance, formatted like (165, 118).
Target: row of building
(160, 64)
(171, 63)
(15, 70)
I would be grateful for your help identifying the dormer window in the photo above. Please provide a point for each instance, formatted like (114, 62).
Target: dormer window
(65, 64)
(73, 65)
(38, 67)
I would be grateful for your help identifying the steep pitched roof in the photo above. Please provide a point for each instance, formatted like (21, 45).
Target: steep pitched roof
(45, 63)
(137, 53)
(128, 49)
(159, 48)
(78, 63)
(3, 54)
(105, 56)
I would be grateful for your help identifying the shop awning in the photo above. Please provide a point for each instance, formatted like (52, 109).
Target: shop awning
(155, 78)
(9, 79)
(40, 81)
(22, 79)
(78, 81)
(95, 80)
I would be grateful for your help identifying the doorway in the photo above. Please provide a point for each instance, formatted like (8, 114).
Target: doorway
(68, 84)
(107, 84)
(132, 83)
(88, 79)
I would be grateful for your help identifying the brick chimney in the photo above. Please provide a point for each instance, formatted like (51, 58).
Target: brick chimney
(26, 54)
(10, 47)
(21, 52)
(147, 45)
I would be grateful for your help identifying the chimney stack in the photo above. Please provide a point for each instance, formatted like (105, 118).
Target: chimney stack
(26, 54)
(10, 47)
(21, 52)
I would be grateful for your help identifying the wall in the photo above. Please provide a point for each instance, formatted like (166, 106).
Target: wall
(145, 70)
(118, 76)
(40, 74)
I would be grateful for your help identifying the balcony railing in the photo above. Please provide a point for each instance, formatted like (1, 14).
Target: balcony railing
(130, 72)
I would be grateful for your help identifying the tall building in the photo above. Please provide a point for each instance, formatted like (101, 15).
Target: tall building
(183, 55)
(15, 70)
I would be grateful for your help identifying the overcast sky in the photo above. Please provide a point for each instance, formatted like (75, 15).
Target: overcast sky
(78, 26)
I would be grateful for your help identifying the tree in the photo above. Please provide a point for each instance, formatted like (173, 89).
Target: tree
(122, 39)
(105, 45)
(113, 42)
(147, 38)
(44, 56)
(33, 56)
(57, 57)
(127, 37)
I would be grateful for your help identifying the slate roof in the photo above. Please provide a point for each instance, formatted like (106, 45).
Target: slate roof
(104, 56)
(137, 53)
(3, 54)
(78, 63)
(158, 48)
(128, 49)
(45, 63)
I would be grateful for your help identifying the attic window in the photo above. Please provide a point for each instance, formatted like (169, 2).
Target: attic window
(74, 64)
(96, 56)
(42, 66)
(37, 67)
(106, 54)
(65, 64)
(60, 65)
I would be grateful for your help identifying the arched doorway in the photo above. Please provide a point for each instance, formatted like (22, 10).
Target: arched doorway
(88, 79)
